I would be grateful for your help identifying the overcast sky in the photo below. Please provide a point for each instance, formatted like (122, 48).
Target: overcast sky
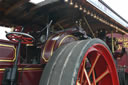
(120, 6)
(2, 32)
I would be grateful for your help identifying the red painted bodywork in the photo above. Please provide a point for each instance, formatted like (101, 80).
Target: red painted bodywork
(54, 42)
(123, 61)
(29, 74)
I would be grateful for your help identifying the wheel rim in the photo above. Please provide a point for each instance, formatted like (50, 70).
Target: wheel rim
(97, 67)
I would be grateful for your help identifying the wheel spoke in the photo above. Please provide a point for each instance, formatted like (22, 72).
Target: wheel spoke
(82, 73)
(102, 76)
(12, 36)
(86, 75)
(93, 65)
(78, 83)
(94, 79)
(26, 38)
(16, 36)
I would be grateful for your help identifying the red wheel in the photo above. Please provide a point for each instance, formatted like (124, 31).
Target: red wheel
(19, 36)
(87, 62)
(97, 67)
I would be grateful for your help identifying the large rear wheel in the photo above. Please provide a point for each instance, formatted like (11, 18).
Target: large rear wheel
(87, 62)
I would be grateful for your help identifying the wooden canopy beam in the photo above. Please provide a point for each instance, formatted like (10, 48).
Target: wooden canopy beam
(16, 5)
(38, 6)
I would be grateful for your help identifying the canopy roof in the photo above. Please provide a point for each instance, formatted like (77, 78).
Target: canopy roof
(64, 13)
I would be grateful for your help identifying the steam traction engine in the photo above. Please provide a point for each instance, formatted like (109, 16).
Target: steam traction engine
(77, 45)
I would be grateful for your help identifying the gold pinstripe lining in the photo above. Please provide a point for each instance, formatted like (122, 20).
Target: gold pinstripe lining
(65, 38)
(46, 60)
(7, 60)
(3, 69)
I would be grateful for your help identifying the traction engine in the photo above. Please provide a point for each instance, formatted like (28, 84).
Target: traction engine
(83, 49)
